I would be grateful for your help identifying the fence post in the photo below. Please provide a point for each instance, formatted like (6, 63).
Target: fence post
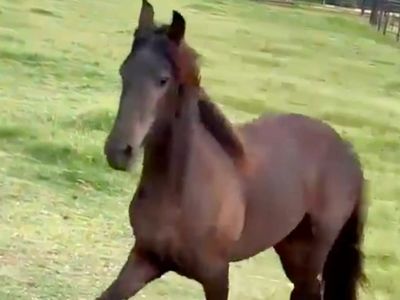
(398, 29)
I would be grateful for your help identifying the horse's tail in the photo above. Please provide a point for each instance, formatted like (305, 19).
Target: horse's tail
(343, 271)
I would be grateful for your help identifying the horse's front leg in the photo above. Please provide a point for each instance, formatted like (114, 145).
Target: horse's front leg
(138, 270)
(216, 283)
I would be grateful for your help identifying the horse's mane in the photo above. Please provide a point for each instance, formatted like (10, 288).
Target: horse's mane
(211, 116)
(186, 60)
(222, 130)
(188, 65)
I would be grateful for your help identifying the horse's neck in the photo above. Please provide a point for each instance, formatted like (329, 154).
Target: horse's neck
(168, 147)
(181, 142)
(203, 111)
(221, 129)
(156, 151)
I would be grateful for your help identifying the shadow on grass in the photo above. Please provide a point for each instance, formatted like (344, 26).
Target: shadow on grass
(392, 88)
(57, 164)
(28, 58)
(13, 133)
(262, 60)
(7, 37)
(216, 7)
(44, 12)
(98, 120)
(358, 121)
(285, 51)
(52, 153)
(61, 67)
(68, 166)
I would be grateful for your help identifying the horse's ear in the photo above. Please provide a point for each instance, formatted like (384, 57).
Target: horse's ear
(176, 31)
(146, 18)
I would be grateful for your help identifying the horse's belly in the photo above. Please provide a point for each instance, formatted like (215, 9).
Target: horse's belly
(263, 232)
(272, 212)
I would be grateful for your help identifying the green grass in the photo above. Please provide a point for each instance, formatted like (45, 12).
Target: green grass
(64, 230)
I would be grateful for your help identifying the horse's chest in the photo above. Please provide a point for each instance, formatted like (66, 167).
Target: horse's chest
(157, 228)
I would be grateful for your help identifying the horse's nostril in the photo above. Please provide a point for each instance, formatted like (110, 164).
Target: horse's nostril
(128, 150)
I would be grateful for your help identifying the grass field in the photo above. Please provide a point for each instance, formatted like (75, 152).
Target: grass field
(64, 230)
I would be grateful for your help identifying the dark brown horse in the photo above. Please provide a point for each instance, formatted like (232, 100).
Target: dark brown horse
(211, 193)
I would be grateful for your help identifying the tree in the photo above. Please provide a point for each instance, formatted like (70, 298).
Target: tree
(363, 3)
(373, 19)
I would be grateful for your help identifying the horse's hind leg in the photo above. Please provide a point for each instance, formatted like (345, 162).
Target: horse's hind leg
(138, 270)
(303, 254)
(294, 252)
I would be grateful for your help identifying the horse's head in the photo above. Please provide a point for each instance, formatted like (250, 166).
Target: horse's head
(158, 64)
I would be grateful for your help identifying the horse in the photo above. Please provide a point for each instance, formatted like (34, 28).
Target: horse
(212, 193)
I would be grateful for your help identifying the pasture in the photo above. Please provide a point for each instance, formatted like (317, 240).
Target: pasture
(64, 230)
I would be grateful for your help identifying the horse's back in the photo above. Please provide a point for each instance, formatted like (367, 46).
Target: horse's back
(292, 158)
(304, 144)
(316, 148)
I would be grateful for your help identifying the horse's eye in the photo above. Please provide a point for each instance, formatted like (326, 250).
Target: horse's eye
(163, 81)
